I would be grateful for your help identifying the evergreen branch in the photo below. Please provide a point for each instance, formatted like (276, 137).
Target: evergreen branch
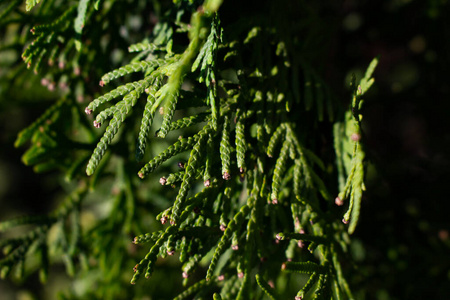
(119, 115)
(274, 139)
(132, 67)
(189, 175)
(278, 172)
(225, 148)
(189, 121)
(178, 147)
(120, 91)
(232, 226)
(148, 261)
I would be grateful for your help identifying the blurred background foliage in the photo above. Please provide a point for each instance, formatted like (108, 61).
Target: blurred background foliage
(401, 246)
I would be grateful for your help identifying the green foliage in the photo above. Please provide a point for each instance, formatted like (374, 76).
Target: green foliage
(249, 109)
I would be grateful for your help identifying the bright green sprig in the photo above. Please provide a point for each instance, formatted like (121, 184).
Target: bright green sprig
(189, 175)
(178, 147)
(231, 228)
(148, 261)
(170, 93)
(189, 121)
(132, 67)
(123, 108)
(225, 148)
(147, 119)
(274, 139)
(145, 238)
(120, 91)
(172, 178)
(104, 115)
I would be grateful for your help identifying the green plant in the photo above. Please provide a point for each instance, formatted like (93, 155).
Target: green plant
(245, 113)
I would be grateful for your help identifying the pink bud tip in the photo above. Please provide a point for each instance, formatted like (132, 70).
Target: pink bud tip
(300, 244)
(226, 176)
(221, 277)
(298, 298)
(283, 266)
(181, 165)
(223, 227)
(344, 221)
(241, 170)
(101, 83)
(274, 201)
(235, 247)
(163, 180)
(355, 137)
(338, 201)
(88, 111)
(240, 275)
(171, 252)
(207, 183)
(164, 220)
(97, 124)
(185, 275)
(279, 237)
(136, 267)
(141, 175)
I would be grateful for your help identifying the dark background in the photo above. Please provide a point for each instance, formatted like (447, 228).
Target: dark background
(402, 244)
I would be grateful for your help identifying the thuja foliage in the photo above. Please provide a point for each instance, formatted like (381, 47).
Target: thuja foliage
(262, 164)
